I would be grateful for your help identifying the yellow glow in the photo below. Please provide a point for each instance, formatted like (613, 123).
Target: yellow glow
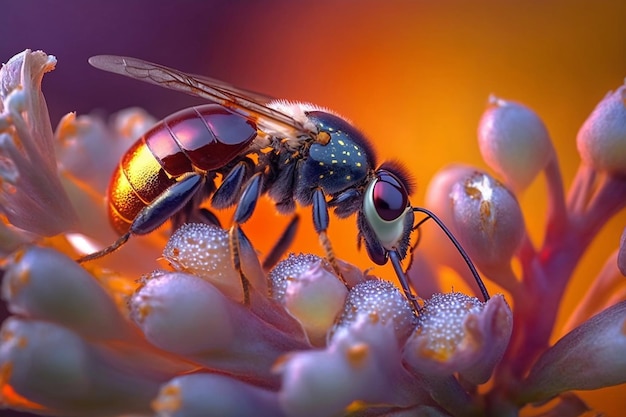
(82, 244)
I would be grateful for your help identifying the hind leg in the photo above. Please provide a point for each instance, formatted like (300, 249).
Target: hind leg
(167, 204)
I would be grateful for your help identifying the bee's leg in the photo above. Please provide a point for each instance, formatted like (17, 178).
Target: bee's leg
(208, 217)
(193, 212)
(167, 204)
(247, 203)
(284, 242)
(320, 222)
(230, 189)
(404, 281)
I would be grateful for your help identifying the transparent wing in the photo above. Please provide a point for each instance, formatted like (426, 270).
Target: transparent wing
(259, 98)
(245, 103)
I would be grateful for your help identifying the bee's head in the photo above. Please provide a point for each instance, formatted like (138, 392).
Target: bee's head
(387, 213)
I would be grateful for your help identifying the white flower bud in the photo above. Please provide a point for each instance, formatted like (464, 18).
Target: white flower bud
(379, 301)
(362, 361)
(41, 283)
(65, 375)
(488, 221)
(203, 250)
(205, 394)
(602, 138)
(184, 314)
(459, 334)
(514, 142)
(311, 292)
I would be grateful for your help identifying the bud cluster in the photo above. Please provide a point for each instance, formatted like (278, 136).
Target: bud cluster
(191, 324)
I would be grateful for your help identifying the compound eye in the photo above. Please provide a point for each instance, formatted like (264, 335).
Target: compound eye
(390, 197)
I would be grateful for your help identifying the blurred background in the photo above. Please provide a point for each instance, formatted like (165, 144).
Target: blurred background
(414, 75)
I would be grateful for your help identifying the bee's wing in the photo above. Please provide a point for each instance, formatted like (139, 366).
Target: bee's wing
(245, 103)
(258, 98)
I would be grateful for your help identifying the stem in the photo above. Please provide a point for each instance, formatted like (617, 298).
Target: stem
(581, 190)
(607, 283)
(507, 279)
(451, 396)
(558, 219)
(609, 198)
(546, 275)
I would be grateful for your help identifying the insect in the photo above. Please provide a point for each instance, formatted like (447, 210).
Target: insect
(296, 153)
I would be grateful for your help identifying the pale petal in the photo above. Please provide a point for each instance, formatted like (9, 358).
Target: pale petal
(621, 254)
(591, 356)
(32, 197)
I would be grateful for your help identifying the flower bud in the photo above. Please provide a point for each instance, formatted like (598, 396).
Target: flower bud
(41, 283)
(59, 371)
(459, 334)
(602, 138)
(202, 395)
(437, 199)
(204, 251)
(379, 301)
(172, 308)
(488, 221)
(90, 149)
(311, 292)
(362, 361)
(184, 314)
(514, 142)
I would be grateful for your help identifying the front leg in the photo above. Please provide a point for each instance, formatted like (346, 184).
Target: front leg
(320, 222)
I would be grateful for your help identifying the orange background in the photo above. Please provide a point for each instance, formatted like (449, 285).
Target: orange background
(414, 75)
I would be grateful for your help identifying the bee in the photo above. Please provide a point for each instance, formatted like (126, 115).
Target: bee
(295, 153)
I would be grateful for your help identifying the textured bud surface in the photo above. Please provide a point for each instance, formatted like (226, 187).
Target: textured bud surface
(442, 322)
(378, 301)
(203, 250)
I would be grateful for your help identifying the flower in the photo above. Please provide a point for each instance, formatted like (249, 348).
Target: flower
(191, 323)
(28, 168)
